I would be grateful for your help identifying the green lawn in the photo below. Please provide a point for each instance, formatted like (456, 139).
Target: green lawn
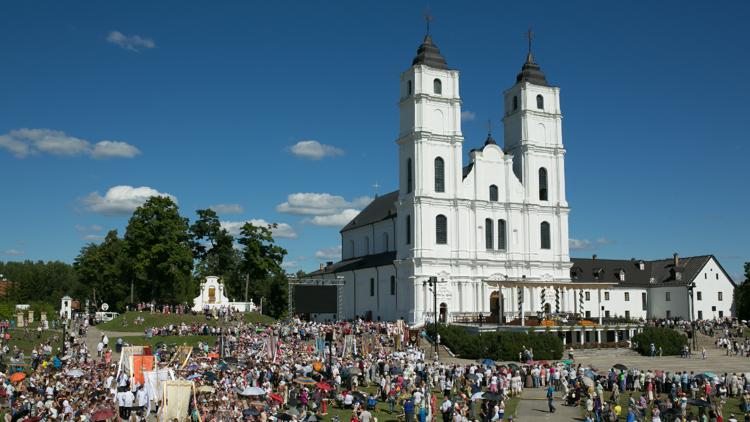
(124, 322)
(26, 343)
(169, 340)
(732, 405)
(256, 318)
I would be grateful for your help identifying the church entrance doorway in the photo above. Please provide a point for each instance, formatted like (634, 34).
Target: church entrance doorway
(496, 307)
(547, 309)
(443, 312)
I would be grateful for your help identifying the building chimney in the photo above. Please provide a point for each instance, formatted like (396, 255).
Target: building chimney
(594, 257)
(322, 267)
(329, 263)
(676, 259)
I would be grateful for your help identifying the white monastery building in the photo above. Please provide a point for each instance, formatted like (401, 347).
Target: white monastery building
(494, 232)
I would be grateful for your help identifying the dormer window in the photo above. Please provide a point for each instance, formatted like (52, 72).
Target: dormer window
(641, 265)
(621, 275)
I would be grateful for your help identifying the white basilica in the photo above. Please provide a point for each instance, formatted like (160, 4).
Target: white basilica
(493, 232)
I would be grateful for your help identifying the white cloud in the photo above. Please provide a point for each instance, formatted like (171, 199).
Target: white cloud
(288, 265)
(579, 244)
(93, 237)
(130, 42)
(334, 252)
(13, 252)
(604, 241)
(227, 208)
(282, 230)
(468, 116)
(121, 200)
(92, 228)
(309, 203)
(314, 150)
(24, 142)
(113, 149)
(335, 220)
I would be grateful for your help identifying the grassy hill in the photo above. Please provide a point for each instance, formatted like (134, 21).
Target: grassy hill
(124, 323)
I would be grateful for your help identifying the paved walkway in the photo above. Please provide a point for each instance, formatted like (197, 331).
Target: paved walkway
(533, 407)
(717, 361)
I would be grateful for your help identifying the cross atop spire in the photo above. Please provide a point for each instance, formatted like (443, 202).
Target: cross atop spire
(490, 139)
(428, 18)
(530, 37)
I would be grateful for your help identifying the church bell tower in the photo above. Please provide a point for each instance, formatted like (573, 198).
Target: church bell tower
(430, 145)
(533, 136)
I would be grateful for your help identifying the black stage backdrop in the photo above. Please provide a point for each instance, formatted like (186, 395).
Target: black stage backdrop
(315, 299)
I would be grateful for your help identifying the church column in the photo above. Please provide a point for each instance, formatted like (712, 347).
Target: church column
(460, 296)
(523, 303)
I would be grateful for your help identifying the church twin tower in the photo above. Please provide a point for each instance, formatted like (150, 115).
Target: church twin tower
(505, 214)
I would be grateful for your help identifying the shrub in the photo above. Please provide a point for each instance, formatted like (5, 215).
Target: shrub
(504, 346)
(671, 341)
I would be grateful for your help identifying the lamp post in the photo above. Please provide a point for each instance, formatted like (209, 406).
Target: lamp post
(691, 305)
(432, 282)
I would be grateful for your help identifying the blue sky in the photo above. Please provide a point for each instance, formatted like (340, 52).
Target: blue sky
(206, 102)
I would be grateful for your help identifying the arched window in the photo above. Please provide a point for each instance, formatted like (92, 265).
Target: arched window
(408, 88)
(441, 230)
(437, 86)
(493, 193)
(439, 175)
(515, 103)
(501, 236)
(542, 184)
(489, 234)
(367, 245)
(409, 176)
(385, 242)
(408, 230)
(393, 285)
(546, 243)
(540, 102)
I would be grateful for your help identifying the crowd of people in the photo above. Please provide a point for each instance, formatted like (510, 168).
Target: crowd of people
(300, 371)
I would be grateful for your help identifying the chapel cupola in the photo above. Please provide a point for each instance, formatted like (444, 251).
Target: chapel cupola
(428, 54)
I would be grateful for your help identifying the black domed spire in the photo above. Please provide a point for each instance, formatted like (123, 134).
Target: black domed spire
(428, 54)
(530, 71)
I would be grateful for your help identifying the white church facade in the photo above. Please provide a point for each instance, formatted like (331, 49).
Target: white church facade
(493, 232)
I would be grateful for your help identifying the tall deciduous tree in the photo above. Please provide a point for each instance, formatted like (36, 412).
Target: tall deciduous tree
(261, 260)
(157, 243)
(213, 249)
(742, 296)
(102, 270)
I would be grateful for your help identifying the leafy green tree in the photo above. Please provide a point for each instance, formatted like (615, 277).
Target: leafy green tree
(102, 270)
(157, 242)
(213, 250)
(261, 262)
(39, 281)
(742, 296)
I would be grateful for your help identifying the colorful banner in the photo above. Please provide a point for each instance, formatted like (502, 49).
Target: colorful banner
(139, 364)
